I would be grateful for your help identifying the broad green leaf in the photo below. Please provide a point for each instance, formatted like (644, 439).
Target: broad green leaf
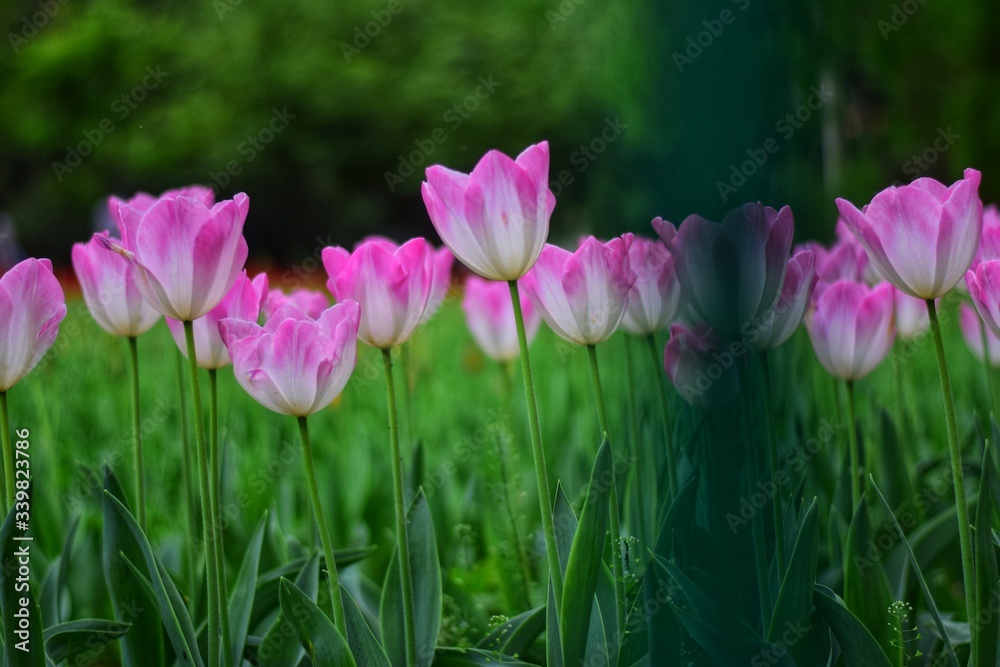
(366, 649)
(795, 603)
(949, 650)
(276, 649)
(175, 617)
(324, 645)
(857, 645)
(242, 596)
(83, 638)
(985, 647)
(22, 624)
(585, 560)
(142, 645)
(425, 569)
(866, 587)
(56, 580)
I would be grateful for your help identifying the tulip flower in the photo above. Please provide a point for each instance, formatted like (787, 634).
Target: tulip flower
(921, 237)
(185, 257)
(296, 365)
(392, 285)
(911, 318)
(440, 281)
(656, 294)
(486, 304)
(309, 302)
(583, 295)
(781, 322)
(695, 361)
(143, 200)
(109, 291)
(989, 242)
(32, 305)
(732, 272)
(973, 332)
(851, 332)
(495, 219)
(243, 302)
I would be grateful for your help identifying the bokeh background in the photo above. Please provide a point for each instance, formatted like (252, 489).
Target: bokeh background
(326, 114)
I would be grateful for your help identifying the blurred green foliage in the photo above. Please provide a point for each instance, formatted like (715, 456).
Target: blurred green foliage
(379, 87)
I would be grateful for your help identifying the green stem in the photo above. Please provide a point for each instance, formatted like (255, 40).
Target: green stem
(216, 489)
(8, 455)
(961, 506)
(638, 488)
(664, 413)
(140, 483)
(616, 536)
(401, 536)
(987, 369)
(336, 597)
(208, 528)
(537, 449)
(502, 440)
(772, 458)
(852, 443)
(757, 522)
(192, 517)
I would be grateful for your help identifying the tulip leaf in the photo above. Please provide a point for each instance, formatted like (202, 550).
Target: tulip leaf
(516, 635)
(795, 602)
(142, 645)
(473, 657)
(366, 649)
(585, 559)
(56, 579)
(174, 614)
(325, 646)
(83, 639)
(985, 647)
(924, 588)
(275, 649)
(18, 617)
(857, 645)
(425, 569)
(866, 587)
(242, 596)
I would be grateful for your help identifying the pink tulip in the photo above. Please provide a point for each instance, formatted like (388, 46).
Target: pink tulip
(295, 365)
(851, 328)
(582, 295)
(32, 305)
(243, 302)
(921, 237)
(490, 317)
(780, 322)
(392, 286)
(732, 272)
(184, 256)
(440, 282)
(309, 302)
(111, 294)
(495, 219)
(699, 366)
(969, 320)
(911, 317)
(143, 200)
(984, 288)
(656, 294)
